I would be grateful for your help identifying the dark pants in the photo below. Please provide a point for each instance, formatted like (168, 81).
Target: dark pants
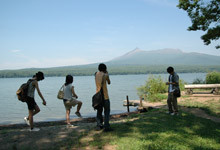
(172, 103)
(99, 117)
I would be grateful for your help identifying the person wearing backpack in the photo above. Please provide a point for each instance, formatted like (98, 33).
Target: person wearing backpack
(32, 105)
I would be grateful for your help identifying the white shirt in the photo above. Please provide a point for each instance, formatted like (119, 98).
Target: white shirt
(170, 85)
(68, 92)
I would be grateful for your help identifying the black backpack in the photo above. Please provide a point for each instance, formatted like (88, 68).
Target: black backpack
(23, 91)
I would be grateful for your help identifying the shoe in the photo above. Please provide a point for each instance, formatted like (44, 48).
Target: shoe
(78, 114)
(176, 114)
(69, 125)
(34, 130)
(99, 128)
(26, 121)
(108, 130)
(172, 114)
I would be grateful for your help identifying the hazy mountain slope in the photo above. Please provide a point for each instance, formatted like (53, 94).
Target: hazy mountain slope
(165, 57)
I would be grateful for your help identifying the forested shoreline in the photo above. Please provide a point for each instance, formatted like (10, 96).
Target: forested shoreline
(87, 70)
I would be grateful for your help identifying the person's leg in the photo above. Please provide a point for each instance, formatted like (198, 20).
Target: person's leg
(79, 105)
(175, 106)
(169, 102)
(107, 114)
(99, 117)
(31, 119)
(36, 110)
(68, 116)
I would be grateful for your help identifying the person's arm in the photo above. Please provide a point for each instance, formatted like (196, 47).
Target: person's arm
(39, 93)
(73, 92)
(107, 78)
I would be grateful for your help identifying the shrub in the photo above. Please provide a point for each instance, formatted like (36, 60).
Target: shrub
(213, 77)
(198, 81)
(153, 89)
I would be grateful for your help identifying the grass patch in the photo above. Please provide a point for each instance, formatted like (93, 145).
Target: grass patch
(158, 131)
(211, 106)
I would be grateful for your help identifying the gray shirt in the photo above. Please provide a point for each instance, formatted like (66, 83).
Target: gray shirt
(175, 79)
(31, 90)
(68, 92)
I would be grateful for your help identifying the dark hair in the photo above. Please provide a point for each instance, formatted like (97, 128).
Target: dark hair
(69, 79)
(39, 76)
(170, 69)
(102, 67)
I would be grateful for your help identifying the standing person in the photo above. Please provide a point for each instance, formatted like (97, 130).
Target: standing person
(101, 80)
(69, 99)
(32, 105)
(173, 82)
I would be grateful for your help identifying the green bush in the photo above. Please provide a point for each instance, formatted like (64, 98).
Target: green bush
(213, 77)
(153, 89)
(198, 81)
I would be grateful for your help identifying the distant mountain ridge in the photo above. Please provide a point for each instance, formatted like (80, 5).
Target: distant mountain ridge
(164, 57)
(136, 61)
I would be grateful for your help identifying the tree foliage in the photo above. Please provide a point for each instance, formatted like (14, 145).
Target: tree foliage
(205, 16)
(213, 77)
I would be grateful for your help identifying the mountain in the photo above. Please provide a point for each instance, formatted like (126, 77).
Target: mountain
(164, 57)
(136, 61)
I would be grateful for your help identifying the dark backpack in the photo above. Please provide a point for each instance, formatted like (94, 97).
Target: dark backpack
(23, 91)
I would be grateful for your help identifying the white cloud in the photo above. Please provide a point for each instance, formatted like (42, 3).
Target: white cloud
(15, 51)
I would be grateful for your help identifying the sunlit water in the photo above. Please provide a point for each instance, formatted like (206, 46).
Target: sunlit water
(13, 111)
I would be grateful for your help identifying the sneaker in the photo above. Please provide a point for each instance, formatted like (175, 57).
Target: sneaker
(34, 130)
(26, 121)
(69, 125)
(78, 114)
(172, 114)
(176, 114)
(98, 128)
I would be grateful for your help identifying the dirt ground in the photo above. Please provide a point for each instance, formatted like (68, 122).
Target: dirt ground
(52, 134)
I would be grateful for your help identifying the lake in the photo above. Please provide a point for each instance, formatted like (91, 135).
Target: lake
(13, 111)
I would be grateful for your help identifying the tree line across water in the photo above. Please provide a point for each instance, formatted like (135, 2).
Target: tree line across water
(87, 70)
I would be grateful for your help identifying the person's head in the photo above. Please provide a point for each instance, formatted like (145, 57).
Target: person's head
(102, 67)
(170, 70)
(69, 79)
(39, 76)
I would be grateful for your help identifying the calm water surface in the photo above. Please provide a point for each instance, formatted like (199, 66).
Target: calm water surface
(13, 111)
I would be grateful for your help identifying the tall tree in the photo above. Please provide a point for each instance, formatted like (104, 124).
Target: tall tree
(205, 16)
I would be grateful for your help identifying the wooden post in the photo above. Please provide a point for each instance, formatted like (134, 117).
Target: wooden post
(128, 104)
(141, 105)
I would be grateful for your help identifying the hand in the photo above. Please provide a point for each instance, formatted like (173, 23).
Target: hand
(76, 96)
(44, 103)
(167, 83)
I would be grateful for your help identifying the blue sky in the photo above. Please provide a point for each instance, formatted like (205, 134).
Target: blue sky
(49, 33)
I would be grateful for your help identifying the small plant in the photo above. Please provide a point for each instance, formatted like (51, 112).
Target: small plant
(198, 81)
(153, 89)
(213, 77)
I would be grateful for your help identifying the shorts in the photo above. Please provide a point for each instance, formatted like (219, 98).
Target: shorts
(70, 103)
(31, 103)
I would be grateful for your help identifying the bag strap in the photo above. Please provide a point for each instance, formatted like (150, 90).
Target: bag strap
(102, 80)
(102, 83)
(62, 87)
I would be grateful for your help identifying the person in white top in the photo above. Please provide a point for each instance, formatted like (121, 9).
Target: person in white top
(33, 108)
(70, 99)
